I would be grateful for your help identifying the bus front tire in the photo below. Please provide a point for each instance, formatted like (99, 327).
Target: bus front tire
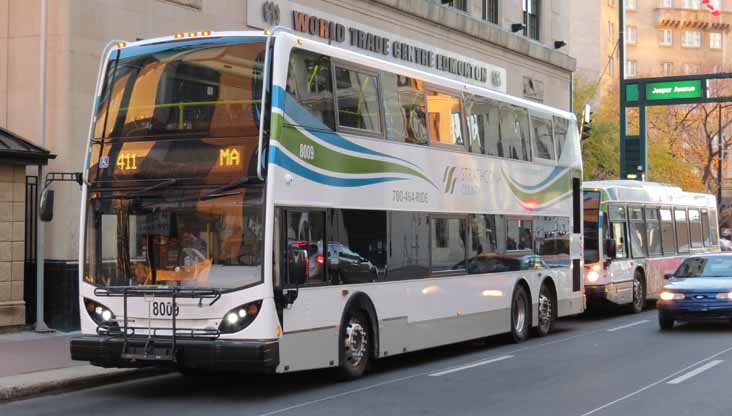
(547, 311)
(639, 292)
(520, 314)
(356, 346)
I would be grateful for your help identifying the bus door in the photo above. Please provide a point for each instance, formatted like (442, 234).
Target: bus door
(621, 268)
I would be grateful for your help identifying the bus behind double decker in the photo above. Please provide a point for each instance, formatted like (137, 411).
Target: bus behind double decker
(636, 233)
(263, 202)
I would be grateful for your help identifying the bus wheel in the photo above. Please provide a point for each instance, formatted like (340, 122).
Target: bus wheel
(639, 292)
(520, 314)
(356, 346)
(547, 311)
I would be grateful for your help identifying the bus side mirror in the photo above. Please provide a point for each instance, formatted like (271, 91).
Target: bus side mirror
(297, 267)
(610, 249)
(46, 208)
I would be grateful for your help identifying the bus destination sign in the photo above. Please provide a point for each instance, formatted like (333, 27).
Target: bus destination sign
(674, 90)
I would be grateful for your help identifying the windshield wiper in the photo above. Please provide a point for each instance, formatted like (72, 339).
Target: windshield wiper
(164, 184)
(230, 186)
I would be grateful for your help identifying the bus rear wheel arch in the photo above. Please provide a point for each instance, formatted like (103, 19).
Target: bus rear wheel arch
(547, 308)
(358, 340)
(521, 312)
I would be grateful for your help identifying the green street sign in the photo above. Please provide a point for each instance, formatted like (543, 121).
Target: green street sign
(673, 90)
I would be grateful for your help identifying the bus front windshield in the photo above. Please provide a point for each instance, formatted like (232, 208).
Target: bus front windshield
(192, 239)
(591, 226)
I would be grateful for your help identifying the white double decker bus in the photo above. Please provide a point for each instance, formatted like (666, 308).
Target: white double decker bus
(636, 232)
(264, 202)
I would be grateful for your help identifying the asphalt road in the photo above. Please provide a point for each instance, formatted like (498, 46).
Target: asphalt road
(616, 364)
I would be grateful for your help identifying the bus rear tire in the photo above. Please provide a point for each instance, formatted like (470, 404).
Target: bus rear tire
(520, 314)
(639, 292)
(356, 346)
(547, 311)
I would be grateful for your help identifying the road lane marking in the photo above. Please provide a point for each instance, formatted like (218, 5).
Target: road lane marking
(696, 372)
(618, 328)
(655, 383)
(473, 365)
(345, 393)
(387, 382)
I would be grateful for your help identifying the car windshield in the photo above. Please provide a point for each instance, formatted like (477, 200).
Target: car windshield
(715, 266)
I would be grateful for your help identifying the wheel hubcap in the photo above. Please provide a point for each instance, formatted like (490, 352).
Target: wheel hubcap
(545, 311)
(356, 343)
(519, 314)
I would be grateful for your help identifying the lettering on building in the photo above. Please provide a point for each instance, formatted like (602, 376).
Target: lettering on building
(402, 51)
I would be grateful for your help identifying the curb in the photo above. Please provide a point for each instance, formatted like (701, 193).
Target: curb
(67, 379)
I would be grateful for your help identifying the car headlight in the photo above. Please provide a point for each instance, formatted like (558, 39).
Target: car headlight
(100, 314)
(724, 296)
(240, 317)
(671, 296)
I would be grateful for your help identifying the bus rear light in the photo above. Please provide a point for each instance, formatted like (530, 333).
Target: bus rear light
(320, 259)
(180, 35)
(121, 45)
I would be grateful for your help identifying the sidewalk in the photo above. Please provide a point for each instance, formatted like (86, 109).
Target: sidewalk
(32, 364)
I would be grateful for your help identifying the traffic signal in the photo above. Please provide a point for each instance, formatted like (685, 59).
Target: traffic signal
(586, 123)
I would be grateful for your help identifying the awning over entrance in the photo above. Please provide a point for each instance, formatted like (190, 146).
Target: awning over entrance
(16, 150)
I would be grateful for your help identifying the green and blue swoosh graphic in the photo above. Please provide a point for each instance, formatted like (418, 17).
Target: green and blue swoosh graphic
(333, 155)
(554, 188)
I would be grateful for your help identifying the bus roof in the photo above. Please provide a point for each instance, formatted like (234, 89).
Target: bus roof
(649, 193)
(353, 56)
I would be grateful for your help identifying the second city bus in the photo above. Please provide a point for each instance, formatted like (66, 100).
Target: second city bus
(636, 232)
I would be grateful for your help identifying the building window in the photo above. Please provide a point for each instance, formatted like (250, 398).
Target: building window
(631, 4)
(692, 4)
(716, 69)
(667, 68)
(665, 3)
(717, 4)
(458, 4)
(715, 40)
(611, 32)
(631, 68)
(666, 37)
(631, 35)
(691, 39)
(531, 18)
(611, 3)
(490, 11)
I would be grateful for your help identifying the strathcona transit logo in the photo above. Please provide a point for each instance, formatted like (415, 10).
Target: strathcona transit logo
(449, 179)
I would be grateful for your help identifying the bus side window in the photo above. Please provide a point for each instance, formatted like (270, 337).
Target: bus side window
(706, 232)
(682, 230)
(405, 109)
(668, 238)
(305, 235)
(619, 235)
(309, 98)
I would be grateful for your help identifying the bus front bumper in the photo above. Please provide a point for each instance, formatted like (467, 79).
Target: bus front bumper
(260, 356)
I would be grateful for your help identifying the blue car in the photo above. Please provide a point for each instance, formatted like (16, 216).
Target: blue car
(701, 289)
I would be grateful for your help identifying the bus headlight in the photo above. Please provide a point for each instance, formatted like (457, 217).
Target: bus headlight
(240, 317)
(724, 296)
(671, 296)
(99, 313)
(594, 274)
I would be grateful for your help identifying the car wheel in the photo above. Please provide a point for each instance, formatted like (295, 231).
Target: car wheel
(356, 346)
(639, 293)
(520, 314)
(547, 311)
(665, 321)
